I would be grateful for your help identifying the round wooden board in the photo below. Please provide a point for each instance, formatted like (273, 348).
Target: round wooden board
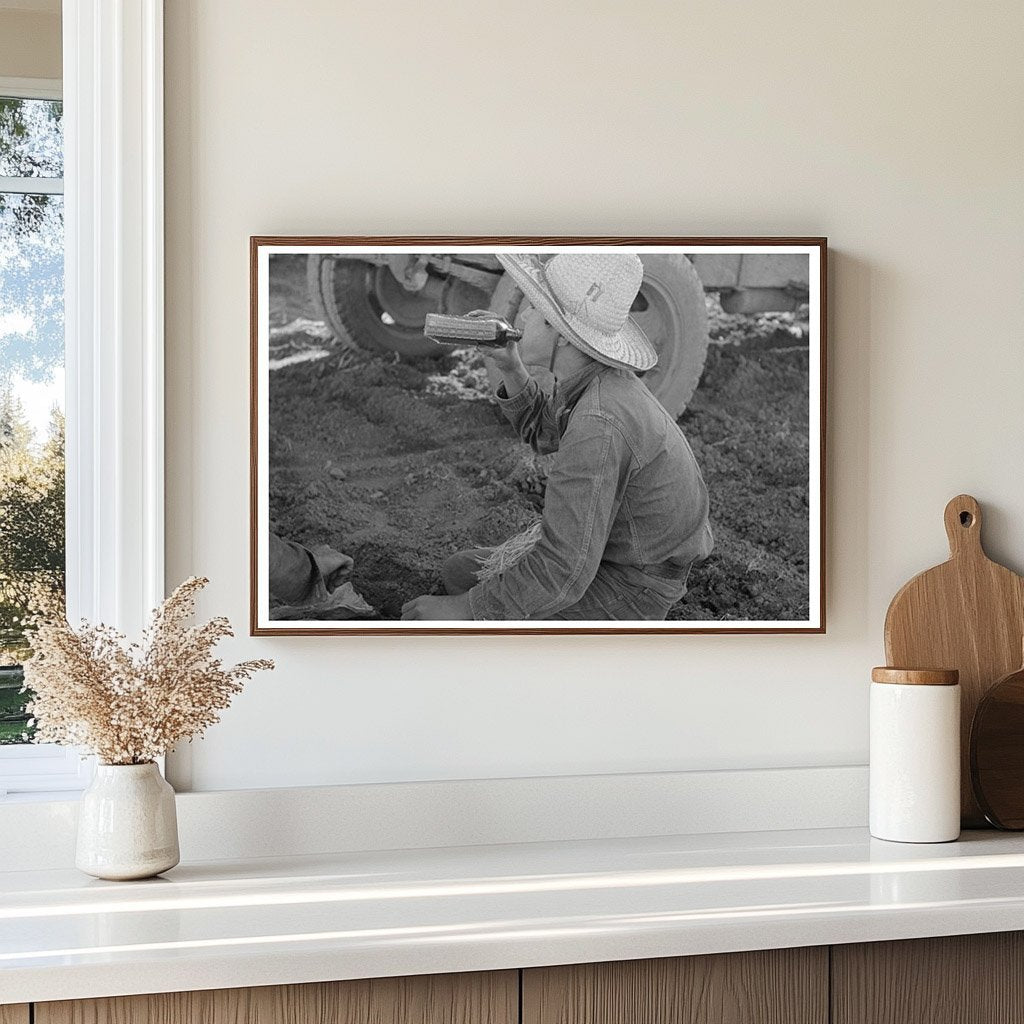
(997, 752)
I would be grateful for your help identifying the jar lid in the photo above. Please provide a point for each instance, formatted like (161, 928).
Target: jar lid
(916, 676)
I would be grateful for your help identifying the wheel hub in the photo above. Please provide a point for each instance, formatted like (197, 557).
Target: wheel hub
(394, 305)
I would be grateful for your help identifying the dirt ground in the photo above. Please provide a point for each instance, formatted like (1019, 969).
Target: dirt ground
(401, 464)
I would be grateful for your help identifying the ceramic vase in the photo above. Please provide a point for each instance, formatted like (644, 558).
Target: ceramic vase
(127, 825)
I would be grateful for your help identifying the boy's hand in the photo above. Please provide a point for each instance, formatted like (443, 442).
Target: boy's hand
(438, 608)
(510, 365)
(507, 359)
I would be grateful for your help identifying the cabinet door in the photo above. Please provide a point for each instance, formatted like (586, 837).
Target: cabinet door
(776, 986)
(14, 1014)
(483, 998)
(960, 979)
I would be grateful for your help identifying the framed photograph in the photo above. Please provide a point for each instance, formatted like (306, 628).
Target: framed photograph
(537, 435)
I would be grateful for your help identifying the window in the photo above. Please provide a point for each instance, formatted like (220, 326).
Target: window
(32, 533)
(31, 381)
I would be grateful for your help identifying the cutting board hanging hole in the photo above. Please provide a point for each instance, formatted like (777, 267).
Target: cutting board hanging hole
(963, 525)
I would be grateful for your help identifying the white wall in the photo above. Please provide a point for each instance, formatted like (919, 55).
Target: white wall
(895, 129)
(30, 42)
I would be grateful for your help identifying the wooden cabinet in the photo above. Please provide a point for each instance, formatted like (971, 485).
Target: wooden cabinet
(776, 986)
(967, 979)
(491, 998)
(961, 979)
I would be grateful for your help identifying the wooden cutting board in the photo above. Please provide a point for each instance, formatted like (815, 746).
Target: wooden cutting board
(967, 614)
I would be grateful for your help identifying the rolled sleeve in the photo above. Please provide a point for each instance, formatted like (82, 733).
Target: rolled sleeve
(522, 401)
(523, 409)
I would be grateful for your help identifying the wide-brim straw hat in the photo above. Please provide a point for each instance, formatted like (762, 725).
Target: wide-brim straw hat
(586, 297)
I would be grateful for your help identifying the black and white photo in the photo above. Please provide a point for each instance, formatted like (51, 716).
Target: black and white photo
(537, 435)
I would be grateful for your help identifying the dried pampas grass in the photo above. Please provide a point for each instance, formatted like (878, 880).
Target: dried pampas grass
(130, 703)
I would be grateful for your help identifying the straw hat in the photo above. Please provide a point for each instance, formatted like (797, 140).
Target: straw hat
(586, 297)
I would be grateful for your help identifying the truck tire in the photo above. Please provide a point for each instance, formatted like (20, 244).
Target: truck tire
(671, 309)
(364, 304)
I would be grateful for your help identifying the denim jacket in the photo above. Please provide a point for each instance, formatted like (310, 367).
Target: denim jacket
(623, 488)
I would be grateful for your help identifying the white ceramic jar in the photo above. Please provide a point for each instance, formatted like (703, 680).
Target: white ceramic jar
(127, 823)
(915, 755)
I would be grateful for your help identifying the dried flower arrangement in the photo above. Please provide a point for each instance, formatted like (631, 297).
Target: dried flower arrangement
(129, 704)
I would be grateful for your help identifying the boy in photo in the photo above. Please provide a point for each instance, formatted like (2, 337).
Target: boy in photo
(625, 508)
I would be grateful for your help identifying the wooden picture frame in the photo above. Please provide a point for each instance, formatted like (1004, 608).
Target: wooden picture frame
(347, 313)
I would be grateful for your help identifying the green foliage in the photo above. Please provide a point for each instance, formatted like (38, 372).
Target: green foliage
(31, 524)
(14, 719)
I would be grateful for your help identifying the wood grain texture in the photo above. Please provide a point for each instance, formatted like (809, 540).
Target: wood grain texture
(14, 1014)
(967, 614)
(997, 752)
(960, 979)
(776, 986)
(480, 998)
(915, 676)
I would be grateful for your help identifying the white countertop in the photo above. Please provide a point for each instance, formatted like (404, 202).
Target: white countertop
(225, 924)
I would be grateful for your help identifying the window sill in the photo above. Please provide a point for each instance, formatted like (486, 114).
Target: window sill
(40, 798)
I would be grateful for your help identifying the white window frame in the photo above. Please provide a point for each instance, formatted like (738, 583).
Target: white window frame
(114, 264)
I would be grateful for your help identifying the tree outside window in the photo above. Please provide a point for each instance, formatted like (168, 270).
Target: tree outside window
(32, 540)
